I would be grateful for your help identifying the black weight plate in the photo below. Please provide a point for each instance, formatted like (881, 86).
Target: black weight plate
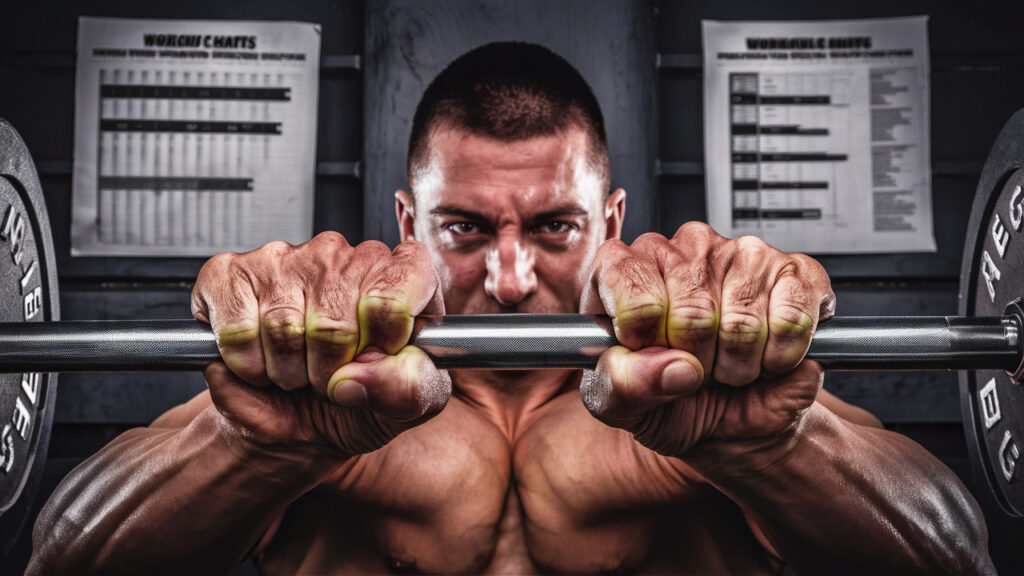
(28, 293)
(991, 277)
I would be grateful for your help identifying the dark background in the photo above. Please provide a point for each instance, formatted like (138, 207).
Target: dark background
(644, 60)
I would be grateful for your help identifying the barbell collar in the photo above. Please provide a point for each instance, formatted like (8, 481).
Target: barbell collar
(1015, 309)
(518, 341)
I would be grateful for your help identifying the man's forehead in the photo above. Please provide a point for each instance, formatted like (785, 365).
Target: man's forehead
(458, 149)
(465, 167)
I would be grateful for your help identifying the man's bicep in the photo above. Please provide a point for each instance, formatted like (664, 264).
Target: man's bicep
(848, 411)
(182, 414)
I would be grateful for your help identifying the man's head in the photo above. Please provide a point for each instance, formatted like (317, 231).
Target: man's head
(509, 91)
(508, 174)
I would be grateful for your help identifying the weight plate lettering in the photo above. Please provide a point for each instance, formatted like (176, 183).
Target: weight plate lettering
(991, 278)
(27, 294)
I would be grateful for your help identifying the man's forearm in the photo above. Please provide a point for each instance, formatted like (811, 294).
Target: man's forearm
(162, 500)
(845, 497)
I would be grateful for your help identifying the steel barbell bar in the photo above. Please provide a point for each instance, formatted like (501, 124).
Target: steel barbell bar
(521, 341)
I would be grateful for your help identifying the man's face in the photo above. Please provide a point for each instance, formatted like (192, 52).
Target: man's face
(512, 226)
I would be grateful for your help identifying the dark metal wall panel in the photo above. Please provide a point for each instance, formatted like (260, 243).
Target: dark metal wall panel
(409, 41)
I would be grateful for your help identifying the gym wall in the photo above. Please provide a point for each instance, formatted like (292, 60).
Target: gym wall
(644, 60)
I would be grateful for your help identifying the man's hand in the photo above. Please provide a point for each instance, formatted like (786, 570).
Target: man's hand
(314, 342)
(712, 334)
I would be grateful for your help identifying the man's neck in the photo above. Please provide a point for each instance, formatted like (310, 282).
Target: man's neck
(510, 398)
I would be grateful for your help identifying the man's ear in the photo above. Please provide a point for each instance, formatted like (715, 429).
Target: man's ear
(405, 211)
(614, 212)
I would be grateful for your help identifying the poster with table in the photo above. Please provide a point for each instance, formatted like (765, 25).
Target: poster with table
(193, 137)
(817, 133)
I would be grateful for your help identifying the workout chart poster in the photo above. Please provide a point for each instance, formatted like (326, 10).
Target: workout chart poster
(817, 133)
(193, 137)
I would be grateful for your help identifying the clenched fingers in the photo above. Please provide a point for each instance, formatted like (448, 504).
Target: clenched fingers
(743, 330)
(800, 298)
(293, 315)
(393, 293)
(225, 295)
(628, 286)
(741, 307)
(771, 303)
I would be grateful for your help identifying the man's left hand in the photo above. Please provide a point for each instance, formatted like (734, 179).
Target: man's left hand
(712, 335)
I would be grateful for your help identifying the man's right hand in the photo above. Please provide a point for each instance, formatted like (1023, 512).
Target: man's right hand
(314, 340)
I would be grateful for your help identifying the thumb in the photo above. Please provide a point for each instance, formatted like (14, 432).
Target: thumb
(406, 387)
(627, 384)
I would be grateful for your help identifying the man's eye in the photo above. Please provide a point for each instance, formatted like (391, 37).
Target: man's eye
(463, 228)
(555, 227)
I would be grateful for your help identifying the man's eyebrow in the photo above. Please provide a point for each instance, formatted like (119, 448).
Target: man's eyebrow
(445, 210)
(561, 211)
(558, 212)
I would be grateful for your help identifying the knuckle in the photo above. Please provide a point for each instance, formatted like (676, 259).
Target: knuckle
(643, 314)
(741, 327)
(808, 268)
(276, 248)
(283, 324)
(328, 238)
(374, 250)
(791, 322)
(698, 233)
(641, 325)
(750, 245)
(213, 272)
(412, 249)
(342, 332)
(805, 262)
(611, 249)
(697, 228)
(790, 267)
(377, 306)
(238, 334)
(695, 317)
(324, 247)
(650, 242)
(218, 264)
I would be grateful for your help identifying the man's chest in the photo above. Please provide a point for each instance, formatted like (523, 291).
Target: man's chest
(567, 493)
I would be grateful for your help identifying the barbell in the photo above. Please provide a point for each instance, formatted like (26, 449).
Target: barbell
(984, 341)
(524, 341)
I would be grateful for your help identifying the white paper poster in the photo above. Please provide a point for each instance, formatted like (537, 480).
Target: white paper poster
(193, 137)
(817, 133)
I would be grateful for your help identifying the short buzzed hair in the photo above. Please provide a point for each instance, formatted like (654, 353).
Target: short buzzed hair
(509, 91)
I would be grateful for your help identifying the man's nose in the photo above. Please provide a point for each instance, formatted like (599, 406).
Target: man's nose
(510, 271)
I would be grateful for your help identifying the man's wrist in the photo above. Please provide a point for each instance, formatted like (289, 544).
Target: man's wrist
(295, 463)
(760, 459)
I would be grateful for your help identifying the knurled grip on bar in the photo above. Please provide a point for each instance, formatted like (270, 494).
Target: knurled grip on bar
(517, 341)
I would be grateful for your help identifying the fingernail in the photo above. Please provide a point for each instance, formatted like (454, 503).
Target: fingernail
(679, 377)
(350, 394)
